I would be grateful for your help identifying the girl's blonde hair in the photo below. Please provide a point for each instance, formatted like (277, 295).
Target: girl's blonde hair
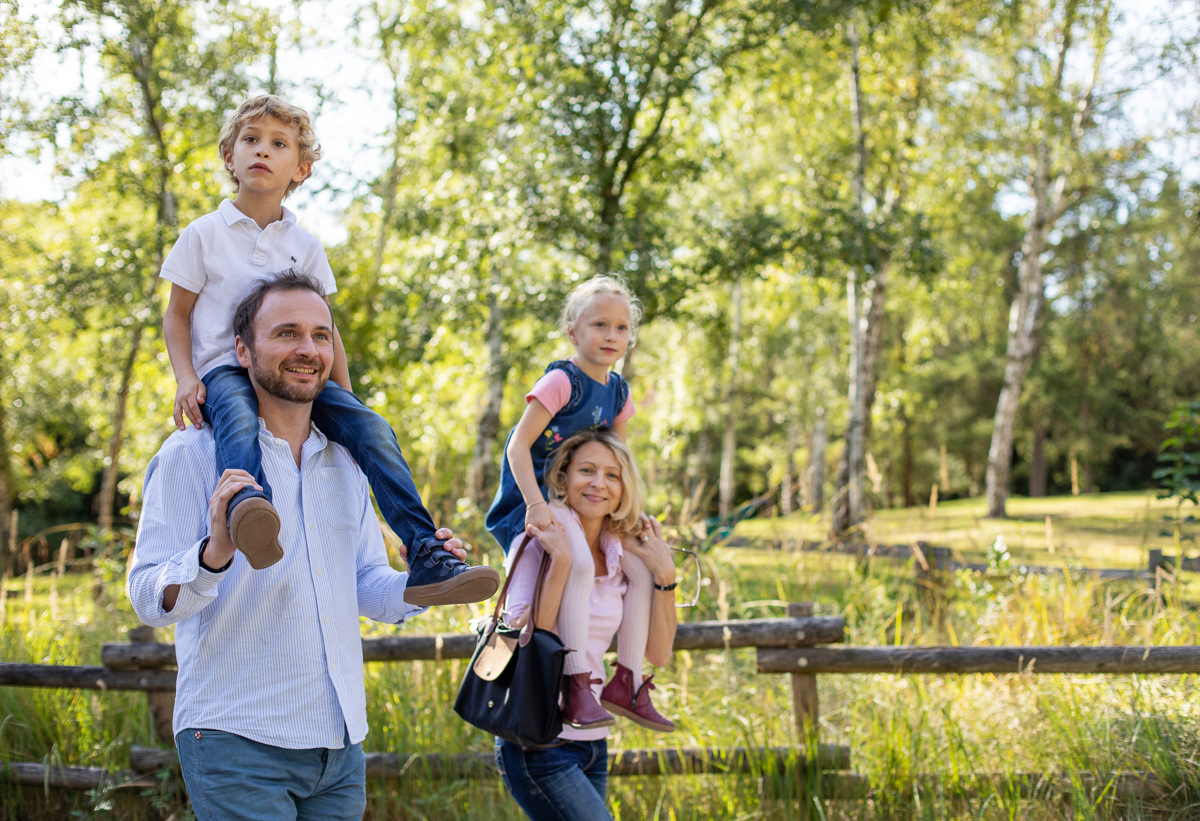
(586, 291)
(269, 105)
(626, 519)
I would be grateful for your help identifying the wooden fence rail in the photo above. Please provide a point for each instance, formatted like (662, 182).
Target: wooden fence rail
(948, 660)
(144, 665)
(667, 761)
(699, 635)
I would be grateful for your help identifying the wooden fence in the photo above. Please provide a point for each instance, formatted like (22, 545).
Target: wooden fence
(796, 646)
(140, 666)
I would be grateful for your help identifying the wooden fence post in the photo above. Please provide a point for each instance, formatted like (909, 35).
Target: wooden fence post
(806, 707)
(162, 705)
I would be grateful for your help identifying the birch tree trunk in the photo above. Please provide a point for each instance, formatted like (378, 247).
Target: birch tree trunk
(866, 325)
(729, 439)
(855, 434)
(1050, 200)
(489, 418)
(787, 490)
(816, 465)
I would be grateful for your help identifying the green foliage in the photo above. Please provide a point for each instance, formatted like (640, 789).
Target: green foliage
(1180, 455)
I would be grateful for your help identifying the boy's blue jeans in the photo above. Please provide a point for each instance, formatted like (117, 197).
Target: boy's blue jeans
(231, 407)
(556, 783)
(231, 778)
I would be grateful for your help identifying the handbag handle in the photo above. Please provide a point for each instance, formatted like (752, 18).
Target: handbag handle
(527, 630)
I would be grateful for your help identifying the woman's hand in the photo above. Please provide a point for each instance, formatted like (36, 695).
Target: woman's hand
(553, 539)
(653, 550)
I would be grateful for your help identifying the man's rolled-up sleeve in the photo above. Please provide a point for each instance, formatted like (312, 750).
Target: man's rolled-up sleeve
(174, 520)
(380, 586)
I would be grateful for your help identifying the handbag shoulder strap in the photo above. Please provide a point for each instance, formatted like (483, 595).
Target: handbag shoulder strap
(527, 630)
(508, 580)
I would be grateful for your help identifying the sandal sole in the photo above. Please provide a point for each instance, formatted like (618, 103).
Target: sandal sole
(635, 718)
(255, 532)
(471, 586)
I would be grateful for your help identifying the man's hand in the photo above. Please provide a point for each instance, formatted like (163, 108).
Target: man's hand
(453, 544)
(189, 396)
(220, 545)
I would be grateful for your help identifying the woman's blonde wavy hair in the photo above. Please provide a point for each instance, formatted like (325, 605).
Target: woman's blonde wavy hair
(626, 519)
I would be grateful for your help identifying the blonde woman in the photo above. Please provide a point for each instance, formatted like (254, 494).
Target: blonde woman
(596, 499)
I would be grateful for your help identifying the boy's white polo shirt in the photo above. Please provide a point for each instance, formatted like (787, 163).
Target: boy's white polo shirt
(221, 257)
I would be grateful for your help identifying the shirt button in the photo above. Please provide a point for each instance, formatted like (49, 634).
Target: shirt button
(327, 619)
(333, 666)
(318, 572)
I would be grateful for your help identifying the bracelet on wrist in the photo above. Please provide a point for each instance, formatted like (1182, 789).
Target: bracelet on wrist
(531, 504)
(204, 544)
(666, 588)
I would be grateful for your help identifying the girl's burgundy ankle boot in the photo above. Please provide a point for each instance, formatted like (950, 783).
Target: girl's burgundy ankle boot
(622, 698)
(580, 709)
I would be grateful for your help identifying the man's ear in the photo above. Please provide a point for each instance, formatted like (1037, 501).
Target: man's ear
(242, 350)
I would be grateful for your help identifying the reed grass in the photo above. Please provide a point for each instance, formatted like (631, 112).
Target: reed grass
(925, 742)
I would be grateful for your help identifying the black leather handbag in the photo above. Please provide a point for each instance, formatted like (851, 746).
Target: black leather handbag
(512, 685)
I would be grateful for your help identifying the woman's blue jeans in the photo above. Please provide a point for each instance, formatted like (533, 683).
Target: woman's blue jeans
(231, 407)
(566, 783)
(231, 778)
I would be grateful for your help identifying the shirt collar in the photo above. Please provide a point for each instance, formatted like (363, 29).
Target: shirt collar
(315, 438)
(232, 215)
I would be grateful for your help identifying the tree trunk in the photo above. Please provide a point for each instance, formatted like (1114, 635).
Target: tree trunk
(786, 489)
(866, 322)
(5, 488)
(628, 369)
(489, 419)
(729, 439)
(906, 464)
(816, 465)
(1085, 429)
(1022, 341)
(854, 454)
(108, 485)
(1037, 463)
(1027, 305)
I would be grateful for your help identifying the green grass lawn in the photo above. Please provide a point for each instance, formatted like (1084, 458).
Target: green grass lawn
(1099, 529)
(900, 728)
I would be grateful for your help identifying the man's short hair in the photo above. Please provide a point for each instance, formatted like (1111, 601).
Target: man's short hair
(247, 310)
(269, 105)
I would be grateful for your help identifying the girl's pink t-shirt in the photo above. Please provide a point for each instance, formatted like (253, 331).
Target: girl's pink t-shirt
(553, 390)
(604, 615)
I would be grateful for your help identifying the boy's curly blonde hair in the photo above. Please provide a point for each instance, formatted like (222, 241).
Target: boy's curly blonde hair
(269, 105)
(626, 520)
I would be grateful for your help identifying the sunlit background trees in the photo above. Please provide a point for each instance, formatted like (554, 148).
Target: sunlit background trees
(881, 246)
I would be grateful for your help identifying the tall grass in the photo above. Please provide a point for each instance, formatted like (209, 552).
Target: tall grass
(978, 746)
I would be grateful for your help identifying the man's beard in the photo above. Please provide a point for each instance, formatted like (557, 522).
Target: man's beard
(275, 384)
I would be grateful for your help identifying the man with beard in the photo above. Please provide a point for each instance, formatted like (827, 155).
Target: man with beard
(270, 707)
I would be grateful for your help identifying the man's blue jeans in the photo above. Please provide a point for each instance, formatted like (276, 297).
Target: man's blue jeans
(230, 778)
(231, 407)
(566, 783)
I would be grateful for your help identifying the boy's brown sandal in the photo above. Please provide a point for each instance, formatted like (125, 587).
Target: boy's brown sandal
(254, 528)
